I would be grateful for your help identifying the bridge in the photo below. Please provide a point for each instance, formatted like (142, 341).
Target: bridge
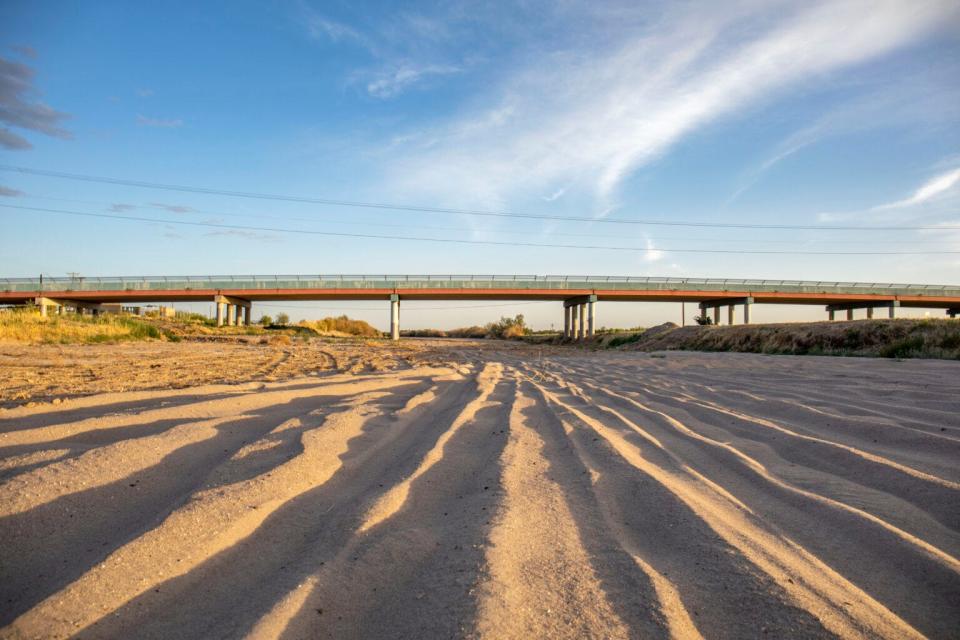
(579, 294)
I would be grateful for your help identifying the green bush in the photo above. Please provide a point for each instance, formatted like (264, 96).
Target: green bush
(266, 320)
(283, 319)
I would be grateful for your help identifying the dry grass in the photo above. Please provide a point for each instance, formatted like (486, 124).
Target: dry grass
(30, 327)
(906, 338)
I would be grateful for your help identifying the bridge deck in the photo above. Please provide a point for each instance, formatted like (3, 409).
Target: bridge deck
(472, 287)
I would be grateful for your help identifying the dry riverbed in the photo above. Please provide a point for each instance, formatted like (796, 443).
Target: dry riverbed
(439, 489)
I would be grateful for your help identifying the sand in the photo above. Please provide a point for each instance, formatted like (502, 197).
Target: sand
(466, 489)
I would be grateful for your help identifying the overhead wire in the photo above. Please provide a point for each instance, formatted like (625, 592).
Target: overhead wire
(471, 212)
(260, 216)
(462, 241)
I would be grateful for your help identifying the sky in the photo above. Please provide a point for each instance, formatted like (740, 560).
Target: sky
(741, 113)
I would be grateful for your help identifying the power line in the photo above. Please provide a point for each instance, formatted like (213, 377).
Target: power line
(500, 243)
(498, 231)
(425, 209)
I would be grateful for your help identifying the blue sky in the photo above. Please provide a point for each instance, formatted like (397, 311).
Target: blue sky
(772, 112)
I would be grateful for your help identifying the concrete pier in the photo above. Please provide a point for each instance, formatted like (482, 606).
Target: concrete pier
(890, 305)
(730, 304)
(394, 316)
(580, 317)
(592, 317)
(229, 310)
(953, 313)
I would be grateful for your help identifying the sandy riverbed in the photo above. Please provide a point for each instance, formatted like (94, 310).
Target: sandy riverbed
(458, 489)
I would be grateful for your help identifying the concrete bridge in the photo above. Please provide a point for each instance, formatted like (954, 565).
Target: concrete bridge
(235, 295)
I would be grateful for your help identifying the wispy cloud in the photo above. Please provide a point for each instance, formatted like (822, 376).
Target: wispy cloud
(165, 123)
(390, 82)
(403, 51)
(593, 114)
(172, 208)
(144, 93)
(325, 28)
(119, 207)
(930, 190)
(556, 195)
(17, 110)
(25, 50)
(7, 192)
(243, 234)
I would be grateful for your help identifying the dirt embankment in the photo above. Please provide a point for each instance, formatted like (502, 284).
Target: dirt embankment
(883, 338)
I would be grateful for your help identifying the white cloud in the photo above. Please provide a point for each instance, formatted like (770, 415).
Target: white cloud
(652, 254)
(591, 116)
(930, 190)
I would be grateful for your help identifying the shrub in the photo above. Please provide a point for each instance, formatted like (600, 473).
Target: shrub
(266, 320)
(343, 324)
(283, 319)
(515, 327)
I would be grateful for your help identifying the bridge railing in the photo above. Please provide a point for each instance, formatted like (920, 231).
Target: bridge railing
(465, 281)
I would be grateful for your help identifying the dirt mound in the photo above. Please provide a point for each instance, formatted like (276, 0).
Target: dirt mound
(885, 338)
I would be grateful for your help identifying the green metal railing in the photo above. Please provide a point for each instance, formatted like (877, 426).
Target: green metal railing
(598, 283)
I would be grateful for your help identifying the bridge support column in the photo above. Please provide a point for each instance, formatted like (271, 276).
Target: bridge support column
(580, 317)
(247, 312)
(850, 307)
(228, 310)
(60, 305)
(394, 316)
(833, 314)
(730, 304)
